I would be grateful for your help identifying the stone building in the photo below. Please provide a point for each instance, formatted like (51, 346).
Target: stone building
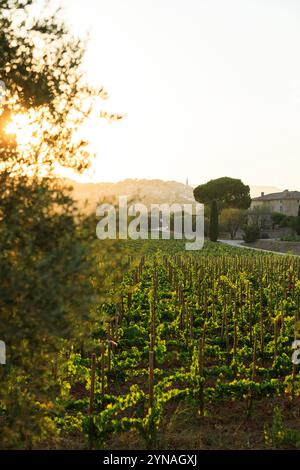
(287, 202)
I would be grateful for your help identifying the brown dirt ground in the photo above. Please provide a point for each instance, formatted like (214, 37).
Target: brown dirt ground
(224, 426)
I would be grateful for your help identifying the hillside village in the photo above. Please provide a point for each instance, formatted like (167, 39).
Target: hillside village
(155, 191)
(89, 195)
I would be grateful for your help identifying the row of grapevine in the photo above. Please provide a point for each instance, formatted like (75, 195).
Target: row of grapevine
(197, 328)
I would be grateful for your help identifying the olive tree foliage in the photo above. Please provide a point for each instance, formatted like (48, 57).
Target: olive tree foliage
(41, 252)
(46, 262)
(260, 216)
(232, 220)
(40, 65)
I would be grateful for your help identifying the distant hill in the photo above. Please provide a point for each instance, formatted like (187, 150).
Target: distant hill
(89, 195)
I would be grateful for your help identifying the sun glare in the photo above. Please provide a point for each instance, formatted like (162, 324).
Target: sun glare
(33, 130)
(24, 128)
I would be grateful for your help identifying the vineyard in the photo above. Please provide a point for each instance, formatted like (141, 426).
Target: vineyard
(182, 340)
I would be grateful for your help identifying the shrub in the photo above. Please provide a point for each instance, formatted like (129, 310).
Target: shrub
(232, 220)
(251, 233)
(283, 220)
(279, 219)
(290, 238)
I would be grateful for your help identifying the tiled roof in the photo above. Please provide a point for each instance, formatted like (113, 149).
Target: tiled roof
(279, 196)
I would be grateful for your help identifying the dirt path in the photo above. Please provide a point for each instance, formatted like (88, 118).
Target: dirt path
(276, 247)
(291, 248)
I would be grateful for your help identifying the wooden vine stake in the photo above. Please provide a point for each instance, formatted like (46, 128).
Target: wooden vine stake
(151, 379)
(235, 337)
(201, 371)
(296, 337)
(151, 353)
(191, 325)
(282, 316)
(251, 302)
(227, 334)
(275, 338)
(254, 362)
(224, 314)
(102, 350)
(92, 391)
(92, 400)
(108, 356)
(254, 357)
(55, 367)
(261, 324)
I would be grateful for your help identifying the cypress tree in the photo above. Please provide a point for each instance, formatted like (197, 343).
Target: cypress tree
(298, 222)
(214, 222)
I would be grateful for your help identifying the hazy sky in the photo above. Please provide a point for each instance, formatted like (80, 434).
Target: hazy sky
(211, 88)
